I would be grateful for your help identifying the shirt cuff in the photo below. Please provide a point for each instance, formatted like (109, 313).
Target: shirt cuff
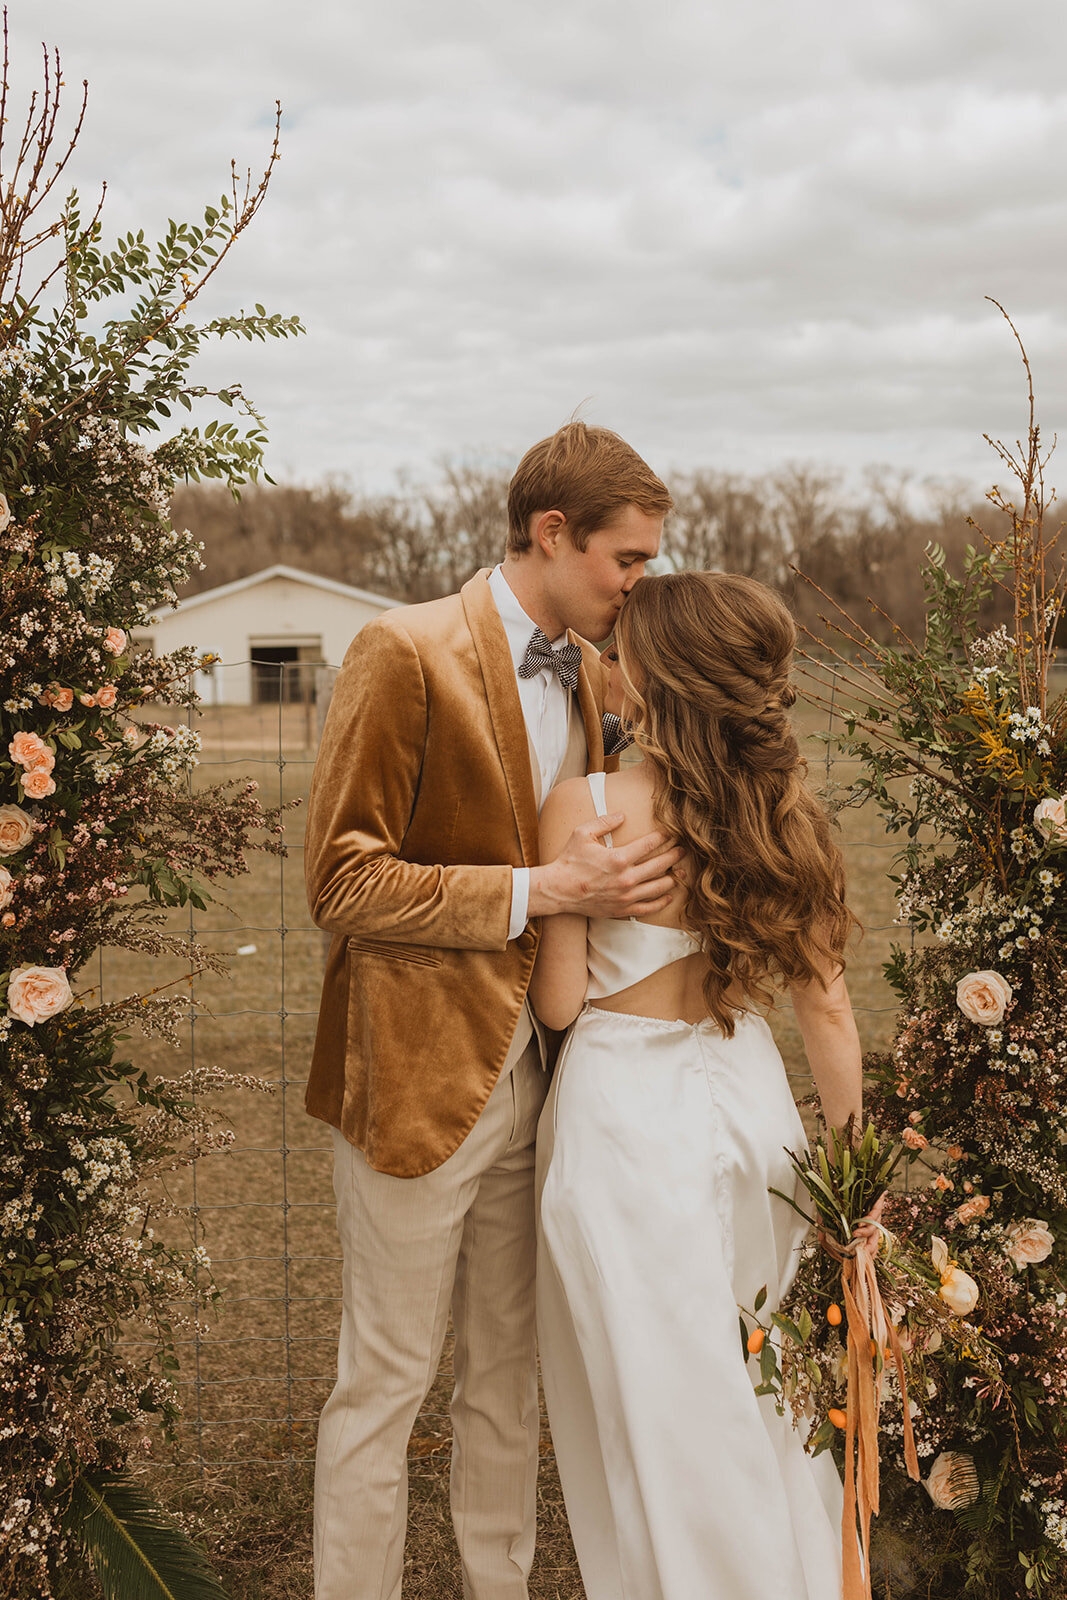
(520, 900)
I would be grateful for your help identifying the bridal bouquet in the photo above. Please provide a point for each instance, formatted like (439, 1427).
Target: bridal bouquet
(860, 1326)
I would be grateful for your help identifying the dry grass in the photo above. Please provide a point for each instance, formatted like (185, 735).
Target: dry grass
(242, 1471)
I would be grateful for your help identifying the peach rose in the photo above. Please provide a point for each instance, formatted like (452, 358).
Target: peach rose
(61, 699)
(1029, 1242)
(115, 641)
(1050, 819)
(36, 993)
(87, 699)
(8, 919)
(970, 1209)
(16, 829)
(5, 512)
(914, 1139)
(106, 696)
(31, 752)
(6, 891)
(982, 997)
(958, 1289)
(37, 784)
(953, 1481)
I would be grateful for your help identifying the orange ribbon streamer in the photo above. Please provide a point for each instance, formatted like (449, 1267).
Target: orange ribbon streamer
(869, 1328)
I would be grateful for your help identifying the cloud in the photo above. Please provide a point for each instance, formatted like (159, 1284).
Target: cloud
(748, 233)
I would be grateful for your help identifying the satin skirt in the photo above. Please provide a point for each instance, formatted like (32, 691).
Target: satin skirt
(656, 1149)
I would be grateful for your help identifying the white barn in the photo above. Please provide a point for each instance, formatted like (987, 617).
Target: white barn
(271, 631)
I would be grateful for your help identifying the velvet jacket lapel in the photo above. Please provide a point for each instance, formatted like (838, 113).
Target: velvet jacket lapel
(591, 715)
(505, 708)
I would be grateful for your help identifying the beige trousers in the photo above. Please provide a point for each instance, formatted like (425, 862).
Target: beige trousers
(463, 1236)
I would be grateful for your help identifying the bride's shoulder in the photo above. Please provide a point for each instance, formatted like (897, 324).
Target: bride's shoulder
(571, 796)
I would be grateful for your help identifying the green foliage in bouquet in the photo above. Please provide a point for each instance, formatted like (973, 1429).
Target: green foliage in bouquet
(101, 830)
(962, 740)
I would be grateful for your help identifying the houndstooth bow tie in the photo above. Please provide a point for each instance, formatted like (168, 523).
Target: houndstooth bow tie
(564, 662)
(616, 737)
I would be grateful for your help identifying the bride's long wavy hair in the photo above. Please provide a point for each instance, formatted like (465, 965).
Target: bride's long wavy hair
(705, 659)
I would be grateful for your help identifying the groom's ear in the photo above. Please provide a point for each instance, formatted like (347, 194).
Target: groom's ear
(546, 529)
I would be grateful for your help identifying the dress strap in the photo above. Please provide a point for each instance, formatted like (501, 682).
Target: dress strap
(597, 788)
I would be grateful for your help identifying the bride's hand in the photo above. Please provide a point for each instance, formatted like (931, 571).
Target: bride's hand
(868, 1230)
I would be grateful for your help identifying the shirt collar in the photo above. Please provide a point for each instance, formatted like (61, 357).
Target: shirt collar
(517, 625)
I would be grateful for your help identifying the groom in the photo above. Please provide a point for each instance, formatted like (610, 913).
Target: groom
(449, 723)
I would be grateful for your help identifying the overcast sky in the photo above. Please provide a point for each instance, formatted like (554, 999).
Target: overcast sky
(742, 233)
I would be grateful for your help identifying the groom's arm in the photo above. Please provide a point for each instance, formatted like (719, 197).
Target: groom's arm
(362, 796)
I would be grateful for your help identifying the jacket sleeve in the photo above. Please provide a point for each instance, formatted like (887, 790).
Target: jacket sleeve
(362, 796)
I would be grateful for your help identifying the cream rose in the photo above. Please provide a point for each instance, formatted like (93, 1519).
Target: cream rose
(106, 696)
(115, 641)
(953, 1481)
(982, 997)
(37, 784)
(1050, 819)
(16, 829)
(30, 751)
(36, 993)
(958, 1289)
(1028, 1242)
(6, 891)
(5, 512)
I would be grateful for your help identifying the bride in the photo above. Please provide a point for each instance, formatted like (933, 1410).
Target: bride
(669, 1115)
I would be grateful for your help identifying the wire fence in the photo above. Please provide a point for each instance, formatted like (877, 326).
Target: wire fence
(256, 1370)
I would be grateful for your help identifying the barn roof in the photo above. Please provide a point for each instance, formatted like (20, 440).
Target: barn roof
(312, 579)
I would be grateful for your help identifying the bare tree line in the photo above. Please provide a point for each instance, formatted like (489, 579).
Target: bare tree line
(420, 540)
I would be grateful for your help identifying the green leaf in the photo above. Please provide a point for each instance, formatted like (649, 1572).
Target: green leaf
(760, 1300)
(788, 1326)
(768, 1362)
(135, 1551)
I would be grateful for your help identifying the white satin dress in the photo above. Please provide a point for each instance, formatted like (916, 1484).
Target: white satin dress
(661, 1140)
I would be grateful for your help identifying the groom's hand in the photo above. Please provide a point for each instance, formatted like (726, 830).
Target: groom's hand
(585, 878)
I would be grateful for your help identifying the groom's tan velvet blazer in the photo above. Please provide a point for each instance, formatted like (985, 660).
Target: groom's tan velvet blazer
(421, 803)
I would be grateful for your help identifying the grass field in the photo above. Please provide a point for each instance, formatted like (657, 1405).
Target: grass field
(262, 1366)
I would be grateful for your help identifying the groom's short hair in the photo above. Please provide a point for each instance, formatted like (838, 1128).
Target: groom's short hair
(589, 474)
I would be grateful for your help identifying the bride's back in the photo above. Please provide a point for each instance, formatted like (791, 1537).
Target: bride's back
(674, 991)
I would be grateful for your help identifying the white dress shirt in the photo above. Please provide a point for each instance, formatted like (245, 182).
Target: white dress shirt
(546, 710)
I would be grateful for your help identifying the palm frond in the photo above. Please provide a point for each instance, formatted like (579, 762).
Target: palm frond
(136, 1553)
